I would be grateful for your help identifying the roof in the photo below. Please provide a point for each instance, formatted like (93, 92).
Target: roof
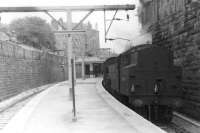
(137, 48)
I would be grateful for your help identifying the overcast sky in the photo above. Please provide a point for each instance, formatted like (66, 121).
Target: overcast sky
(124, 29)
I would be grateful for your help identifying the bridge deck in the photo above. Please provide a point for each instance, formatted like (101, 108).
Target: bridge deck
(97, 112)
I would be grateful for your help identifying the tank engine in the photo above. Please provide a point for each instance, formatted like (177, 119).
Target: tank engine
(145, 78)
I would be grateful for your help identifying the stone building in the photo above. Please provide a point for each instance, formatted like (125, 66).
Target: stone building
(87, 43)
(176, 25)
(85, 48)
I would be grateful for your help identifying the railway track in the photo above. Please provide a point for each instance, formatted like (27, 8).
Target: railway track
(181, 124)
(7, 114)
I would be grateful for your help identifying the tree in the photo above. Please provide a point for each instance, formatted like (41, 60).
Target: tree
(34, 31)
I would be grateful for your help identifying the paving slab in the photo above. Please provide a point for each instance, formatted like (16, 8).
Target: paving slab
(51, 112)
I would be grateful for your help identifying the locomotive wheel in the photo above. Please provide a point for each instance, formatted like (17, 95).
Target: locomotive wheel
(155, 113)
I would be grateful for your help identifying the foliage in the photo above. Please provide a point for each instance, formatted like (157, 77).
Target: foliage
(33, 31)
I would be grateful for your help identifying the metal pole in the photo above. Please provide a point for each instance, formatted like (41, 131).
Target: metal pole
(111, 23)
(73, 93)
(58, 22)
(83, 68)
(74, 67)
(66, 8)
(83, 58)
(105, 25)
(69, 49)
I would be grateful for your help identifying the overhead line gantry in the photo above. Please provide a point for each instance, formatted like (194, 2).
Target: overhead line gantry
(72, 30)
(66, 8)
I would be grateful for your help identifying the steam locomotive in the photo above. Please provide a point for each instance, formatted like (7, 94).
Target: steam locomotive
(145, 79)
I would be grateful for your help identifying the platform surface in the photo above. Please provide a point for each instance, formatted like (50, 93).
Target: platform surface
(51, 112)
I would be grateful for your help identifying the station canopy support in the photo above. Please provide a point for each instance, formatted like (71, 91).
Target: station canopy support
(66, 8)
(69, 29)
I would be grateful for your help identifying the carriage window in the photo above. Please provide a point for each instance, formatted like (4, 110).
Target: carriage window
(125, 60)
(134, 57)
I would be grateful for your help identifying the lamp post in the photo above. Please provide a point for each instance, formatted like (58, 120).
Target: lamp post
(69, 10)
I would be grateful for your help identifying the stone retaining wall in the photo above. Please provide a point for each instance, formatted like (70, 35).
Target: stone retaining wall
(180, 31)
(23, 68)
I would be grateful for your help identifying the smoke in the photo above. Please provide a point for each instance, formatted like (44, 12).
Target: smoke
(143, 38)
(133, 30)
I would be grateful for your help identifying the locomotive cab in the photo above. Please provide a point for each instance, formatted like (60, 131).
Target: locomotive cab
(150, 80)
(147, 79)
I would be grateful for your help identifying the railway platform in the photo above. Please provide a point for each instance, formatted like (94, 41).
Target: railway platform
(97, 112)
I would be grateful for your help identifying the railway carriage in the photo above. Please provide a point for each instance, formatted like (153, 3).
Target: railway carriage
(147, 78)
(108, 71)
